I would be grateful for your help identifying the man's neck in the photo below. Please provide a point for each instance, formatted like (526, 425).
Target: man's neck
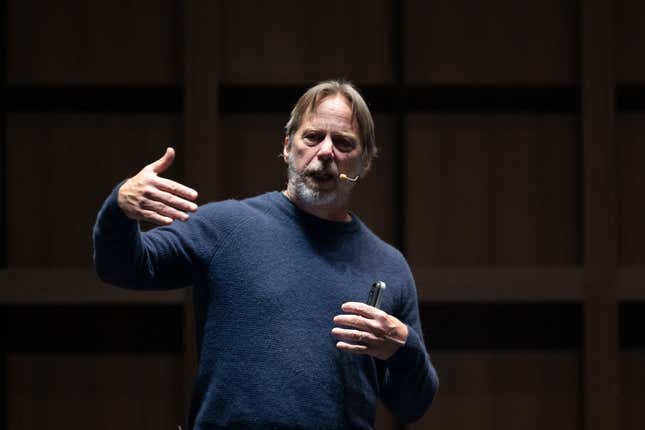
(335, 211)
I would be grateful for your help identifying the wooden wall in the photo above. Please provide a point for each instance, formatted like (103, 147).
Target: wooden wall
(511, 175)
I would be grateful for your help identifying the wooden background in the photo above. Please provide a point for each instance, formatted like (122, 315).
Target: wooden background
(512, 137)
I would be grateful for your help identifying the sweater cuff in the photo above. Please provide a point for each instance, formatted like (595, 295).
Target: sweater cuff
(408, 354)
(111, 222)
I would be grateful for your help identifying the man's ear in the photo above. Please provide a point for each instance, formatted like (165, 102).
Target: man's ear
(286, 148)
(366, 164)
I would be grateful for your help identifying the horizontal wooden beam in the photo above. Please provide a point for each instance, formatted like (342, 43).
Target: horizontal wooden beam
(413, 98)
(268, 98)
(72, 286)
(81, 285)
(630, 97)
(93, 98)
(92, 329)
(509, 326)
(503, 284)
(491, 304)
(631, 323)
(281, 98)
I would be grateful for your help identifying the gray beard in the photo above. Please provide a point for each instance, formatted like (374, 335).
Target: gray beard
(305, 192)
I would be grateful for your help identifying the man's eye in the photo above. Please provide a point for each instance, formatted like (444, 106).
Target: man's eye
(344, 145)
(312, 138)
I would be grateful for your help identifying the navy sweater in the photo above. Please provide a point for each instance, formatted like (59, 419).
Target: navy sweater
(268, 279)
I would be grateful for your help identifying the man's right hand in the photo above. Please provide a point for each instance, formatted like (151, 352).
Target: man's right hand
(149, 197)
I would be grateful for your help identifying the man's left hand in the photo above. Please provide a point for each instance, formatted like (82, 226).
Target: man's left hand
(368, 330)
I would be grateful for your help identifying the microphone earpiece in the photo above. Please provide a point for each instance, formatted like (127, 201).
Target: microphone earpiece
(347, 178)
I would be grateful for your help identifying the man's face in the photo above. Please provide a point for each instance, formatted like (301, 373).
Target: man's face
(326, 144)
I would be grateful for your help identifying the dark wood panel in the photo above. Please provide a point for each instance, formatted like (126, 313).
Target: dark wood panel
(492, 190)
(92, 98)
(3, 197)
(463, 41)
(73, 41)
(72, 391)
(303, 41)
(4, 422)
(375, 196)
(630, 283)
(60, 169)
(629, 40)
(505, 390)
(254, 144)
(502, 326)
(600, 237)
(92, 329)
(632, 393)
(630, 135)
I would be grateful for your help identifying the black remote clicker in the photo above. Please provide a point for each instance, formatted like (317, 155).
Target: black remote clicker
(376, 294)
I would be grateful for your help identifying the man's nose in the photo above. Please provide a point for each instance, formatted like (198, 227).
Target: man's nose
(326, 148)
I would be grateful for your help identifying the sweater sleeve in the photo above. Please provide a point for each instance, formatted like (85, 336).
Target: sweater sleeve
(410, 382)
(163, 258)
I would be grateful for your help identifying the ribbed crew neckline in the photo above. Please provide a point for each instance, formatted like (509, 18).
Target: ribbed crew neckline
(293, 211)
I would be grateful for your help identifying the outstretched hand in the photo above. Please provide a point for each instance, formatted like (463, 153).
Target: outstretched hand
(368, 330)
(149, 197)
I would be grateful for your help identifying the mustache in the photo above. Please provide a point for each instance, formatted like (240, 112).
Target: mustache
(321, 169)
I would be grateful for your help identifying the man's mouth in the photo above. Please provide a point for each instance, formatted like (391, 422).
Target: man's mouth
(321, 176)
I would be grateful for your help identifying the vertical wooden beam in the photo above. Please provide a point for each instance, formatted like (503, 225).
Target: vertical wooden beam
(398, 76)
(400, 199)
(599, 211)
(4, 231)
(4, 33)
(202, 150)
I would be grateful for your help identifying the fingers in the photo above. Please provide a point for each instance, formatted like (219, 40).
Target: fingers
(367, 330)
(356, 322)
(153, 205)
(146, 194)
(355, 336)
(176, 188)
(168, 185)
(149, 205)
(362, 309)
(357, 349)
(171, 200)
(162, 164)
(156, 218)
(355, 341)
(168, 205)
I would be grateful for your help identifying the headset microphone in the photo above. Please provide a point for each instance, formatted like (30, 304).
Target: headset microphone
(347, 178)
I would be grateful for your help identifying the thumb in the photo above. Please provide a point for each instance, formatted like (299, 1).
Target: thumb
(162, 164)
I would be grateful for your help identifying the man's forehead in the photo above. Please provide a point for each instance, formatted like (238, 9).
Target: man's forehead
(331, 112)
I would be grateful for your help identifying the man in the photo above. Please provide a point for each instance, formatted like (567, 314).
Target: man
(283, 336)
